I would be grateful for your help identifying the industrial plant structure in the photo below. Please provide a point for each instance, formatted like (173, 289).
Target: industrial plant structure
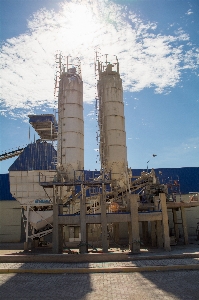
(90, 207)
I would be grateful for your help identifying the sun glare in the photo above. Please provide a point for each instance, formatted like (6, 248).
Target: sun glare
(82, 25)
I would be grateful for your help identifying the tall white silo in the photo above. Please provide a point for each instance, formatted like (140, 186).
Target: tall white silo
(70, 154)
(113, 151)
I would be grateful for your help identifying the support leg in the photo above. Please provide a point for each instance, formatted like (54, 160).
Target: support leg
(145, 233)
(116, 232)
(175, 222)
(55, 222)
(159, 234)
(60, 227)
(130, 236)
(104, 221)
(83, 247)
(165, 223)
(134, 223)
(153, 234)
(184, 225)
(26, 229)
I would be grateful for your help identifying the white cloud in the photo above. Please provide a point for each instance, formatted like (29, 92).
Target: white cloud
(147, 60)
(189, 12)
(91, 113)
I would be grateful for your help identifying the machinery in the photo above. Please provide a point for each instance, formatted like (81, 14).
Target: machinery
(87, 207)
(96, 200)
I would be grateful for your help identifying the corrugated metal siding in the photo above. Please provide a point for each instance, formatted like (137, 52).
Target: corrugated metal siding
(5, 188)
(37, 156)
(188, 177)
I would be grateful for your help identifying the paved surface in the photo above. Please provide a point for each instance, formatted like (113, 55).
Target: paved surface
(178, 284)
(117, 286)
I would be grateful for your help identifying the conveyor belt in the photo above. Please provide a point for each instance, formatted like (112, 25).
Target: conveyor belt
(11, 154)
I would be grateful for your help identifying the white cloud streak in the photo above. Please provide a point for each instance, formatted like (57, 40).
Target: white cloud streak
(147, 59)
(189, 12)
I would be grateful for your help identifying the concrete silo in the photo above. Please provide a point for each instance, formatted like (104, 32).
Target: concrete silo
(113, 151)
(70, 156)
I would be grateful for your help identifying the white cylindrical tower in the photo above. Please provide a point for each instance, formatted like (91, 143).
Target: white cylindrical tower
(113, 152)
(70, 154)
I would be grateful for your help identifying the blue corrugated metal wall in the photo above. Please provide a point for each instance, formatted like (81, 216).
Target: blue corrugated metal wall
(5, 188)
(188, 177)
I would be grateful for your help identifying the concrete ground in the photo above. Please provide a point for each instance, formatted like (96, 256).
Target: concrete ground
(112, 286)
(152, 274)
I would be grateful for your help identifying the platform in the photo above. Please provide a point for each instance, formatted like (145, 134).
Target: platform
(45, 125)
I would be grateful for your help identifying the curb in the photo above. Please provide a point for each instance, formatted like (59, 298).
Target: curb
(88, 258)
(101, 270)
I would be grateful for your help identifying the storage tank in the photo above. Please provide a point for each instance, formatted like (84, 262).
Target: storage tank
(113, 151)
(71, 125)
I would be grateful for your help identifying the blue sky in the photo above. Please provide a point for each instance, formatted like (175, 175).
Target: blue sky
(157, 44)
